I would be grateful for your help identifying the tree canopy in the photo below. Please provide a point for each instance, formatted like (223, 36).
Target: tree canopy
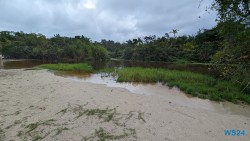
(37, 46)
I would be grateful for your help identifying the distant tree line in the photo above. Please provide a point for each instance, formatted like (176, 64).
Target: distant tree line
(199, 48)
(21, 45)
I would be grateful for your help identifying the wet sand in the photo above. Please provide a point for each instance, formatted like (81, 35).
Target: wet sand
(38, 105)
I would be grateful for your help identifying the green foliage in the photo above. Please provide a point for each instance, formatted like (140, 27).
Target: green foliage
(99, 53)
(57, 49)
(199, 48)
(233, 25)
(68, 67)
(192, 83)
(233, 10)
(208, 42)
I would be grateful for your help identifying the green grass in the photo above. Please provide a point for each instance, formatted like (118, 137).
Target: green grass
(68, 67)
(199, 85)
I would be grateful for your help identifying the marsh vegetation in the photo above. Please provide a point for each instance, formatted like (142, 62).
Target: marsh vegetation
(196, 84)
(68, 67)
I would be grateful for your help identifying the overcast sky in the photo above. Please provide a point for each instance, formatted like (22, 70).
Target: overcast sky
(117, 20)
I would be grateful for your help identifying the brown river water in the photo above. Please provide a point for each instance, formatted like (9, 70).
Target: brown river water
(157, 89)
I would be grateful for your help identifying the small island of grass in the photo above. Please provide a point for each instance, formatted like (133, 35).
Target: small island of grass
(68, 67)
(200, 85)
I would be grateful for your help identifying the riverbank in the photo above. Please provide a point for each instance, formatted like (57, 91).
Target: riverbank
(200, 85)
(196, 84)
(37, 105)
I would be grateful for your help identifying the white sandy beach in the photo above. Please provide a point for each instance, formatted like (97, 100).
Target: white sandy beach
(38, 105)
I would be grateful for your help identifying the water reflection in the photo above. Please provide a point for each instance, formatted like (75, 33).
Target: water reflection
(199, 68)
(160, 90)
(19, 64)
(205, 69)
(79, 75)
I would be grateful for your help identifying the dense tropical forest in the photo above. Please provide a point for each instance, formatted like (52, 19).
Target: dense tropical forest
(226, 46)
(56, 49)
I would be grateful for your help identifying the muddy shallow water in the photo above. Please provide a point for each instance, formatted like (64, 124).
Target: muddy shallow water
(160, 90)
(19, 64)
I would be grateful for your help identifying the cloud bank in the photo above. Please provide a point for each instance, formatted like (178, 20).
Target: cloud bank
(117, 20)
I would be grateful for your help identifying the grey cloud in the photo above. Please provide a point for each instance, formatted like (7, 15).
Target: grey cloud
(109, 19)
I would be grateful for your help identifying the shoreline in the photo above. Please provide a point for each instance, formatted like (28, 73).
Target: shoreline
(69, 110)
(160, 90)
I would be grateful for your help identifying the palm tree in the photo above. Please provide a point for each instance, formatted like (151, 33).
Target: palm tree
(174, 31)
